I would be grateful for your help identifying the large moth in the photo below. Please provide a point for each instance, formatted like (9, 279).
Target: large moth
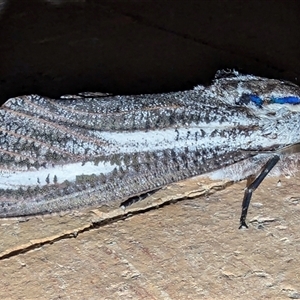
(94, 149)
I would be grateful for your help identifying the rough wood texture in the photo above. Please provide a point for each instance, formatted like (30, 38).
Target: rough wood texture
(188, 250)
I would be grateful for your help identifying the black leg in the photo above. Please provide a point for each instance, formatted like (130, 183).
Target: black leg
(254, 185)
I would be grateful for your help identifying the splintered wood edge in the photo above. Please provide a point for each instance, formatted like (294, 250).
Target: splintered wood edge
(186, 189)
(174, 192)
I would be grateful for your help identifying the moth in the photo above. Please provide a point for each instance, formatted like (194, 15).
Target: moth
(98, 149)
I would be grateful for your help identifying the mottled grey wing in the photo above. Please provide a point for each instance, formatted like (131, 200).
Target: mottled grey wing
(69, 153)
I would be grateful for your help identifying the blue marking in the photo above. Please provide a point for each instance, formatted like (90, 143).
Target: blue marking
(247, 98)
(256, 100)
(283, 100)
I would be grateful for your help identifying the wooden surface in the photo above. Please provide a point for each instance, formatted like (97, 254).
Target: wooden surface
(188, 250)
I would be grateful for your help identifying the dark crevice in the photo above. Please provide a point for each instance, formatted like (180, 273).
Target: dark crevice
(94, 225)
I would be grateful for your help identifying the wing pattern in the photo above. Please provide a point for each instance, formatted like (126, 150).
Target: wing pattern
(92, 150)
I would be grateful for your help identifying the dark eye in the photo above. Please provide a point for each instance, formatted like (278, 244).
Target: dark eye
(247, 98)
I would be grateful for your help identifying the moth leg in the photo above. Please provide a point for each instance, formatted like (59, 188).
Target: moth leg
(252, 185)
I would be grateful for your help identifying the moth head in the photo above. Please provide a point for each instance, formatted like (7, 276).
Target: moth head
(248, 90)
